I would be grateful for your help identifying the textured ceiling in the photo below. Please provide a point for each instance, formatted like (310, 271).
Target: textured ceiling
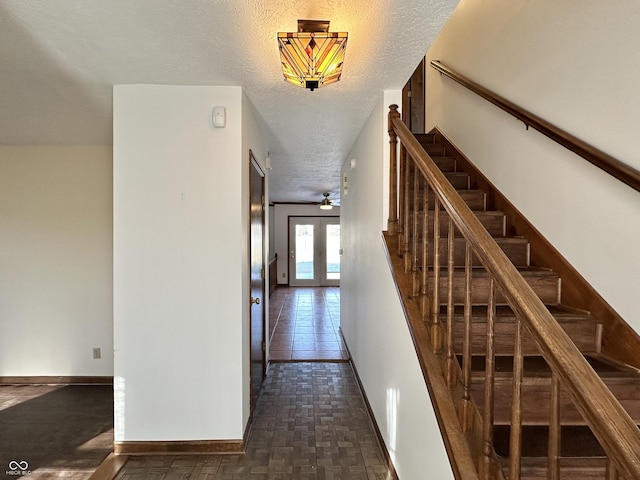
(59, 60)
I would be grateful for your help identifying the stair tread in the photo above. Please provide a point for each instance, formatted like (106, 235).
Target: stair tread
(437, 158)
(425, 137)
(471, 191)
(480, 272)
(504, 313)
(572, 468)
(535, 366)
(498, 238)
(576, 441)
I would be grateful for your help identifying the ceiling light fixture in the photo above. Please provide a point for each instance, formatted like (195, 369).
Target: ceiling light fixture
(312, 57)
(326, 203)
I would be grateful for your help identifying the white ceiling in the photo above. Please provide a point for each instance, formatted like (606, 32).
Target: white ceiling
(59, 60)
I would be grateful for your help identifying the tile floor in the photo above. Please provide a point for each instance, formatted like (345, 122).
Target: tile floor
(310, 423)
(305, 324)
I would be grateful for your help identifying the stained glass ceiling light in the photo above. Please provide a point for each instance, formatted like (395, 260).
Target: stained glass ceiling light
(313, 56)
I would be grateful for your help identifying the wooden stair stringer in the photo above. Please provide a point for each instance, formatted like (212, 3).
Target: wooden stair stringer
(452, 411)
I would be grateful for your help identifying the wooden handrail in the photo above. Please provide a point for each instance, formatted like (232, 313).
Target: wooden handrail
(610, 423)
(623, 172)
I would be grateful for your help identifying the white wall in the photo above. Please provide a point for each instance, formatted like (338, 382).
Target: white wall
(180, 247)
(574, 63)
(372, 319)
(56, 260)
(282, 212)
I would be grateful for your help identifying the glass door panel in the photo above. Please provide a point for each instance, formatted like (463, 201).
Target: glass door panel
(314, 251)
(332, 243)
(304, 252)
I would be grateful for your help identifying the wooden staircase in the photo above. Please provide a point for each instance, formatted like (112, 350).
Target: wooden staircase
(580, 454)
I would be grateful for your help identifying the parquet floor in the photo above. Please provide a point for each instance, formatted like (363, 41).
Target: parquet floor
(310, 423)
(305, 324)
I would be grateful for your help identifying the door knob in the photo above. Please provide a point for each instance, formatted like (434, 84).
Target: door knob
(255, 300)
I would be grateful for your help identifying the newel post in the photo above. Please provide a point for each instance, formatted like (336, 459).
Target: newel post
(392, 223)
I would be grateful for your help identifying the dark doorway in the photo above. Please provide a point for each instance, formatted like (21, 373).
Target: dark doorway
(413, 101)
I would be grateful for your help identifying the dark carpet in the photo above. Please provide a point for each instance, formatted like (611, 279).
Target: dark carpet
(55, 431)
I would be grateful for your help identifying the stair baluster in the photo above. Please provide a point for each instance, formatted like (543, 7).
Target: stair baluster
(424, 288)
(408, 168)
(451, 358)
(553, 467)
(415, 237)
(486, 463)
(467, 417)
(515, 440)
(435, 293)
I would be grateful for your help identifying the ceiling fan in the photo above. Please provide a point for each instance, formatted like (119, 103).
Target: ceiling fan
(326, 204)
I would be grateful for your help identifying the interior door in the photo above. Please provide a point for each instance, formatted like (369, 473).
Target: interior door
(314, 251)
(257, 243)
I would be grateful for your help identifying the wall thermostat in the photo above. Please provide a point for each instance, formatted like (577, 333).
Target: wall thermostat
(219, 117)
(345, 184)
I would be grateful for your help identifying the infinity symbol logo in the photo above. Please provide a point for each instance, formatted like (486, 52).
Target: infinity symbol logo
(23, 465)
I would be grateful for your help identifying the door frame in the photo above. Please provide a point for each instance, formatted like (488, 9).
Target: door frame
(255, 168)
(413, 97)
(319, 259)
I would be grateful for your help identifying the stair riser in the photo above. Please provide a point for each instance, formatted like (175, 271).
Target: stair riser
(573, 473)
(475, 199)
(444, 163)
(459, 181)
(584, 335)
(492, 221)
(536, 396)
(517, 251)
(435, 150)
(534, 466)
(426, 138)
(545, 286)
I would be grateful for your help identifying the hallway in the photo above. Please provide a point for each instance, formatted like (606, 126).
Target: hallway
(304, 324)
(310, 423)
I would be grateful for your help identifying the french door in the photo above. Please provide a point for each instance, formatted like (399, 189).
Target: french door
(314, 251)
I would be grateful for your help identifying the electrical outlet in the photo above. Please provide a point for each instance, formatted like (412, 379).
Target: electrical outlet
(96, 353)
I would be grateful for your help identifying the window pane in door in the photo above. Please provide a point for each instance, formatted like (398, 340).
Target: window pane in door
(304, 252)
(333, 252)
